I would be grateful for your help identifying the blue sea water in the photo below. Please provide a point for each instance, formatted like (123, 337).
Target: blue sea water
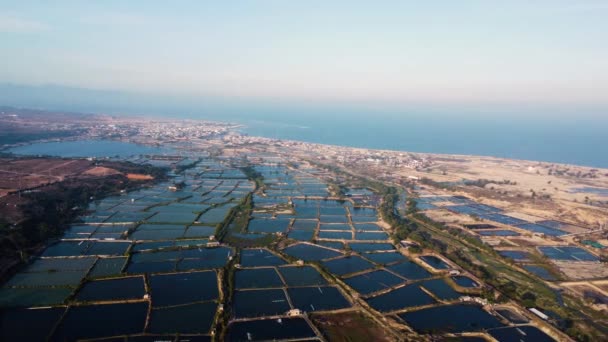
(553, 133)
(552, 141)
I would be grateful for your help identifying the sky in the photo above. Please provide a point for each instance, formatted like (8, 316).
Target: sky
(550, 53)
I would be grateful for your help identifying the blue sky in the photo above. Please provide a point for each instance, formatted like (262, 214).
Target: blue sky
(546, 53)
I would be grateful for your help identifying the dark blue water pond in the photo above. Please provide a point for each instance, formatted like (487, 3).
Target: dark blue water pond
(309, 252)
(17, 324)
(182, 288)
(347, 265)
(338, 226)
(305, 224)
(112, 289)
(301, 276)
(403, 297)
(257, 303)
(440, 289)
(301, 235)
(151, 267)
(385, 258)
(451, 318)
(465, 281)
(268, 226)
(95, 321)
(184, 319)
(259, 257)
(410, 270)
(373, 281)
(435, 262)
(257, 278)
(270, 330)
(317, 298)
(335, 235)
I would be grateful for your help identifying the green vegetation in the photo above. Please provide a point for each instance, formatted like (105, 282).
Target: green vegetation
(255, 176)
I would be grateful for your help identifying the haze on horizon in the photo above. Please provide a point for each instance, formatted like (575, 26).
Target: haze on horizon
(549, 53)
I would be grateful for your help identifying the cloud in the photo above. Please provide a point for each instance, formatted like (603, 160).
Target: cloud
(13, 24)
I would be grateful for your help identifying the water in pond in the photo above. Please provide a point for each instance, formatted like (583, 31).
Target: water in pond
(347, 265)
(435, 262)
(28, 297)
(88, 148)
(112, 289)
(465, 281)
(259, 257)
(185, 319)
(44, 279)
(403, 297)
(319, 298)
(335, 235)
(151, 267)
(301, 235)
(268, 226)
(257, 303)
(257, 278)
(385, 258)
(373, 281)
(54, 265)
(82, 322)
(410, 270)
(270, 330)
(440, 289)
(338, 226)
(309, 252)
(16, 324)
(452, 318)
(301, 276)
(182, 288)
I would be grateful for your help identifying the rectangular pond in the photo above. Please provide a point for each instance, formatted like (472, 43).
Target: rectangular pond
(257, 303)
(183, 288)
(270, 330)
(451, 319)
(318, 298)
(347, 265)
(373, 281)
(401, 298)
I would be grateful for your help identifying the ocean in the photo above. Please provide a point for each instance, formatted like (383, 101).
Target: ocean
(579, 143)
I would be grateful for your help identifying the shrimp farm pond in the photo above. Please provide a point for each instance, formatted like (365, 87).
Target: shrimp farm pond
(239, 252)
